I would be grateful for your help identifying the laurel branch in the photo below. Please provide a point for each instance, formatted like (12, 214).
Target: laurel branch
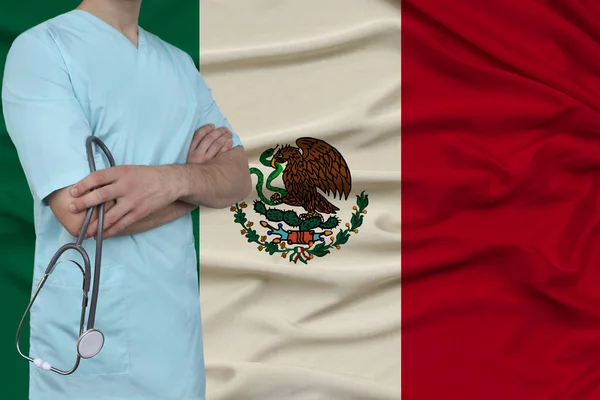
(302, 253)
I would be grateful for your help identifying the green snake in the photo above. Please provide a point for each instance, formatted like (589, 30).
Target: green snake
(265, 160)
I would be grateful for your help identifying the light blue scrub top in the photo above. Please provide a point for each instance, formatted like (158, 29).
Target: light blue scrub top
(68, 78)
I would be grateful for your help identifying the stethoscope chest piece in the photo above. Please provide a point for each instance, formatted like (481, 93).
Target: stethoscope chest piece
(90, 343)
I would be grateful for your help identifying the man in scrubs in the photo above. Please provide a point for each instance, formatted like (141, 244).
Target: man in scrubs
(94, 71)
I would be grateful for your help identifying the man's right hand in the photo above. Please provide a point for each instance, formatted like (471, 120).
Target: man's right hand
(207, 143)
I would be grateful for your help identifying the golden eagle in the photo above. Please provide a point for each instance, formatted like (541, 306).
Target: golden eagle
(318, 166)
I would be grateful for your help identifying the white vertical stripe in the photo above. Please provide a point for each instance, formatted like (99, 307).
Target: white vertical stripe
(330, 329)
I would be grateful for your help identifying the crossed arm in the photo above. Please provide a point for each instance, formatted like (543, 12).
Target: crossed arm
(139, 198)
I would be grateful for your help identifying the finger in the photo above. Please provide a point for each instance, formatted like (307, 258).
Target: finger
(95, 197)
(124, 223)
(93, 227)
(227, 146)
(112, 217)
(200, 134)
(92, 230)
(95, 180)
(211, 138)
(216, 147)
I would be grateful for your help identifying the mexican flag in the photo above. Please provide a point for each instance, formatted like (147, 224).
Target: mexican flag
(501, 183)
(300, 293)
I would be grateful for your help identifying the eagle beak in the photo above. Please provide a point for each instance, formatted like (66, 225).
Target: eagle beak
(273, 162)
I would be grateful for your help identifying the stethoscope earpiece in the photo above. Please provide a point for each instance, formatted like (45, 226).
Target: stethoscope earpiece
(38, 362)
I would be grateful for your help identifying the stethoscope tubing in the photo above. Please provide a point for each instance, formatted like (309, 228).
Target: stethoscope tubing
(85, 269)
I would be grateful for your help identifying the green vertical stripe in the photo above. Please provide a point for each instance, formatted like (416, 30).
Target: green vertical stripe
(176, 22)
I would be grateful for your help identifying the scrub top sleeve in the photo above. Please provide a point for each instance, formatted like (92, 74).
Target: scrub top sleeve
(208, 111)
(43, 117)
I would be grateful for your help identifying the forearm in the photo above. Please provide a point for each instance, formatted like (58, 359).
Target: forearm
(170, 213)
(72, 222)
(219, 183)
(177, 209)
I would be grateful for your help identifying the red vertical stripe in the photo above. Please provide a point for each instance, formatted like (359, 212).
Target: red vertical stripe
(501, 181)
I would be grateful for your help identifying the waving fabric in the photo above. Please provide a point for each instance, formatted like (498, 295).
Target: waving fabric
(329, 329)
(501, 178)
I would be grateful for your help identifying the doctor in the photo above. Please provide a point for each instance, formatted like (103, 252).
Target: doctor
(93, 70)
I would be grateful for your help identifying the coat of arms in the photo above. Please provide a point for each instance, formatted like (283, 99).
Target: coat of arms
(310, 172)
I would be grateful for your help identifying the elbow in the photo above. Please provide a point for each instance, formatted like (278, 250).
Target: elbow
(244, 182)
(59, 203)
(72, 225)
(73, 232)
(245, 188)
(239, 191)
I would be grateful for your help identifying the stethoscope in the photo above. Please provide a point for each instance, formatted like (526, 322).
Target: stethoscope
(90, 341)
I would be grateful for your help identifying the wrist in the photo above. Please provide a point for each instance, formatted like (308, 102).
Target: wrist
(177, 178)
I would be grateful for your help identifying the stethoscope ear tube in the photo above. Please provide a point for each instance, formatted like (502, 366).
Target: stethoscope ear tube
(90, 341)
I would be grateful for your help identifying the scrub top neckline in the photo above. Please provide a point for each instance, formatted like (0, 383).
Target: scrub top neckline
(141, 37)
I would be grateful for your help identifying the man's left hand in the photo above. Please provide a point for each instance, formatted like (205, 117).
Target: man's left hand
(138, 191)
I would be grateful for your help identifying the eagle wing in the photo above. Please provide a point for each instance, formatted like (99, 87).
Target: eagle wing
(325, 167)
